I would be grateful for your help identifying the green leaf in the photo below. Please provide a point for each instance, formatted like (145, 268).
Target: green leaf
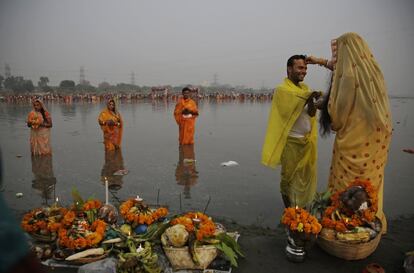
(228, 252)
(326, 195)
(92, 197)
(230, 242)
(192, 245)
(77, 198)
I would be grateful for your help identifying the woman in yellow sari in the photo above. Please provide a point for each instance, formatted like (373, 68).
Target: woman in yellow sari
(40, 122)
(112, 125)
(357, 109)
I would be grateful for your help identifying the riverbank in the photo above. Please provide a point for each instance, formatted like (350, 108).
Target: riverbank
(264, 250)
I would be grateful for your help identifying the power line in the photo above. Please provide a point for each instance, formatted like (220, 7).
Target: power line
(215, 80)
(132, 78)
(82, 75)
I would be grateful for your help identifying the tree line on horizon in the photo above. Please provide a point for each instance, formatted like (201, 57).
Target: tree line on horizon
(20, 85)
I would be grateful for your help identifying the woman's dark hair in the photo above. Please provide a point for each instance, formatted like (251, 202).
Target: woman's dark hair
(112, 100)
(42, 110)
(325, 118)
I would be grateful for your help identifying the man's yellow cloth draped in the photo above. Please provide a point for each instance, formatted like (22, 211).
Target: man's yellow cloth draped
(360, 116)
(299, 179)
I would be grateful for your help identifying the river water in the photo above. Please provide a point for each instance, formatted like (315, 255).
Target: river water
(247, 194)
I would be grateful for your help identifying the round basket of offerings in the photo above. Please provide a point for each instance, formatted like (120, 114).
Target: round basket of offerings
(42, 224)
(302, 230)
(139, 215)
(351, 230)
(192, 242)
(180, 257)
(81, 233)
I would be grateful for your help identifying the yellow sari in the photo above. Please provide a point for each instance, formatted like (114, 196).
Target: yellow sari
(298, 156)
(112, 133)
(360, 116)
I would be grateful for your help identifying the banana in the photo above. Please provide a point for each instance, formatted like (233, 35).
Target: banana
(353, 237)
(339, 215)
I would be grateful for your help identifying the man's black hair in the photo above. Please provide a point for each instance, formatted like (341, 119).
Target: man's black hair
(186, 89)
(295, 57)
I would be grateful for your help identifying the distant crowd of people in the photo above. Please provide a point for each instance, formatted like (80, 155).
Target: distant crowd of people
(133, 97)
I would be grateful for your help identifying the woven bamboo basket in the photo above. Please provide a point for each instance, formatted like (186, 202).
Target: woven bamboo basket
(349, 251)
(44, 238)
(180, 257)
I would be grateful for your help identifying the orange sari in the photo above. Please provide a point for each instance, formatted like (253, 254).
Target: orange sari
(39, 135)
(112, 134)
(186, 124)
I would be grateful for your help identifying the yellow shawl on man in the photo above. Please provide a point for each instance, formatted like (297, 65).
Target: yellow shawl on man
(360, 114)
(287, 104)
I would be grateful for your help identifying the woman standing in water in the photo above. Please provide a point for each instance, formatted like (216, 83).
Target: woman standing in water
(111, 124)
(40, 122)
(357, 110)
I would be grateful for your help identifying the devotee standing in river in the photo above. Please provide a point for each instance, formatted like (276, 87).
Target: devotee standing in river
(185, 114)
(357, 109)
(40, 122)
(111, 124)
(291, 137)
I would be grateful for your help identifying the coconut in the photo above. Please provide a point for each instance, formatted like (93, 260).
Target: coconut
(175, 236)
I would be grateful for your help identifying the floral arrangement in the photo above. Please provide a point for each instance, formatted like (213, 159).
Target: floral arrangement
(80, 226)
(78, 233)
(34, 120)
(339, 217)
(91, 208)
(43, 221)
(198, 223)
(136, 212)
(194, 229)
(300, 220)
(92, 204)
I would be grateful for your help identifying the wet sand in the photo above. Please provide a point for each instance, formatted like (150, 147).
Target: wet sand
(264, 250)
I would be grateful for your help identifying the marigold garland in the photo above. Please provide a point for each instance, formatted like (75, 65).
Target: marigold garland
(352, 219)
(92, 204)
(204, 229)
(298, 219)
(134, 212)
(93, 235)
(30, 224)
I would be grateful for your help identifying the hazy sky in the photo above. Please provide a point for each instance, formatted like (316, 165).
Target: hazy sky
(188, 41)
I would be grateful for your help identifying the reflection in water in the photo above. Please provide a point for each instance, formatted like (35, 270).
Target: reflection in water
(160, 105)
(68, 110)
(186, 173)
(44, 179)
(113, 162)
(220, 123)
